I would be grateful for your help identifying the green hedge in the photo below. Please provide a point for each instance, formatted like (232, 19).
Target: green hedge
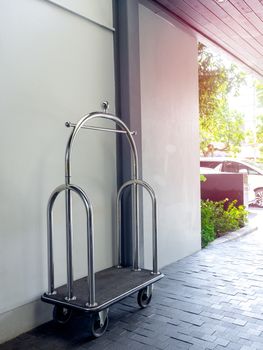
(217, 218)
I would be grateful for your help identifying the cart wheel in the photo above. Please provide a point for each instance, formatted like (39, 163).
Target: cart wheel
(61, 314)
(97, 327)
(144, 297)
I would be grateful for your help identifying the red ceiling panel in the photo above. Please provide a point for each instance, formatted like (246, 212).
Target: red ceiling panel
(234, 25)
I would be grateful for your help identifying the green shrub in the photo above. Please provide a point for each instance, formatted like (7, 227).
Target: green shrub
(207, 222)
(217, 218)
(202, 178)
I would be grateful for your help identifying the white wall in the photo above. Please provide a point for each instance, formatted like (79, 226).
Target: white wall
(98, 10)
(170, 136)
(54, 67)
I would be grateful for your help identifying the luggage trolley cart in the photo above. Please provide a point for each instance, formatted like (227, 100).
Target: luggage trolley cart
(96, 292)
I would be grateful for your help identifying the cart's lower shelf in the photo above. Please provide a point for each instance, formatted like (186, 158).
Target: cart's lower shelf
(112, 285)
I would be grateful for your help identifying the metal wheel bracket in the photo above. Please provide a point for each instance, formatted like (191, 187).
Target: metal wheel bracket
(103, 315)
(149, 290)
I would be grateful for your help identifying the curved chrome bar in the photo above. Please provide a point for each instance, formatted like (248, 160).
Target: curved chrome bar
(135, 173)
(81, 123)
(90, 242)
(154, 220)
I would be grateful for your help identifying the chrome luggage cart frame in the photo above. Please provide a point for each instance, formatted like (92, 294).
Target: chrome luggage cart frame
(96, 292)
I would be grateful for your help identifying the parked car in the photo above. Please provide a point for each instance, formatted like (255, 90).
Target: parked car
(231, 165)
(207, 170)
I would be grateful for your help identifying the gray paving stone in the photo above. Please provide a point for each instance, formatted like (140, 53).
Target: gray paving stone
(210, 300)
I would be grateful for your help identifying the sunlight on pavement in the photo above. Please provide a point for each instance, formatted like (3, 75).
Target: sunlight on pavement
(256, 218)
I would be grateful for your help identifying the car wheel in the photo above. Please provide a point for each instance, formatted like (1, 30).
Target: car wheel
(259, 197)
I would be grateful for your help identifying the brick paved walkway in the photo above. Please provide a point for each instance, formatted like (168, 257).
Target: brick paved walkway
(210, 300)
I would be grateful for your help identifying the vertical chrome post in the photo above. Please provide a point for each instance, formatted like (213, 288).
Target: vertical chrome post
(50, 249)
(154, 237)
(136, 236)
(69, 239)
(50, 205)
(90, 250)
(118, 231)
(69, 225)
(135, 206)
(90, 244)
(135, 212)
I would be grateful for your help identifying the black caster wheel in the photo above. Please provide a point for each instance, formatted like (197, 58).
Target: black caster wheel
(61, 314)
(144, 297)
(99, 324)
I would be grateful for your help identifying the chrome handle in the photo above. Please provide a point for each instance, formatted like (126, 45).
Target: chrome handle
(97, 128)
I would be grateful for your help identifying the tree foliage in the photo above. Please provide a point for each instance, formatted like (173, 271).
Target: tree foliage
(259, 123)
(259, 93)
(259, 131)
(217, 122)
